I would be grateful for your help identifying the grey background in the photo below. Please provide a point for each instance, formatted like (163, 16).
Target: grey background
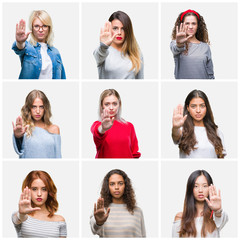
(64, 100)
(139, 106)
(67, 183)
(174, 176)
(144, 17)
(222, 24)
(65, 19)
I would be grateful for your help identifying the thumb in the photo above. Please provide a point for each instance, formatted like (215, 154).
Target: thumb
(208, 202)
(108, 211)
(113, 36)
(36, 209)
(28, 34)
(13, 125)
(184, 118)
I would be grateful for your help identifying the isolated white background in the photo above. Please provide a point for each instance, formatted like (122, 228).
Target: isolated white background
(144, 177)
(65, 175)
(174, 176)
(222, 25)
(144, 17)
(65, 27)
(139, 106)
(223, 100)
(64, 100)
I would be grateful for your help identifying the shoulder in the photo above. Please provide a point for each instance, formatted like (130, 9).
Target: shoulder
(54, 129)
(138, 209)
(219, 133)
(178, 216)
(58, 218)
(54, 50)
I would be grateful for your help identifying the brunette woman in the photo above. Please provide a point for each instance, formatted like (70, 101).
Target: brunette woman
(202, 214)
(116, 213)
(113, 136)
(118, 55)
(190, 47)
(194, 129)
(38, 204)
(34, 134)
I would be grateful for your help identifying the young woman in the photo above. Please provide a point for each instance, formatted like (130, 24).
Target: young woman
(116, 213)
(113, 136)
(118, 55)
(190, 47)
(37, 206)
(194, 129)
(39, 59)
(34, 134)
(202, 214)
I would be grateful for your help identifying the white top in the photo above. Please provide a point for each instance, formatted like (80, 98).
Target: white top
(46, 71)
(219, 221)
(204, 148)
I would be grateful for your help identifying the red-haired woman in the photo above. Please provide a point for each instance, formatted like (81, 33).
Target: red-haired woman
(37, 206)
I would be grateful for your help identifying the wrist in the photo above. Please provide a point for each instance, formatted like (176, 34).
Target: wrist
(101, 130)
(219, 211)
(21, 216)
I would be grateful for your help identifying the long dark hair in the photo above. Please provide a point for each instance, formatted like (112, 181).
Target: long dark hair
(202, 32)
(130, 45)
(128, 195)
(188, 140)
(188, 228)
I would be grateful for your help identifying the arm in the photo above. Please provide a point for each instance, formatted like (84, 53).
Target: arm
(220, 219)
(209, 66)
(220, 134)
(97, 136)
(57, 139)
(175, 49)
(134, 143)
(63, 230)
(143, 229)
(101, 53)
(140, 74)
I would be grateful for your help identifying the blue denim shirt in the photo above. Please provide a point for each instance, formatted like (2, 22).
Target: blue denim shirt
(31, 61)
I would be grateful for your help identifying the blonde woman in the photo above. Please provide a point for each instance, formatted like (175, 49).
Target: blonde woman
(39, 59)
(119, 55)
(34, 136)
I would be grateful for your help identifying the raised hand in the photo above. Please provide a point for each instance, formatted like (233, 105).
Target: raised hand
(215, 202)
(25, 206)
(99, 212)
(107, 122)
(21, 35)
(178, 118)
(181, 35)
(19, 129)
(106, 36)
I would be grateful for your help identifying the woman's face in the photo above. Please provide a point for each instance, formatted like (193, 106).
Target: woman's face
(116, 186)
(39, 193)
(191, 24)
(37, 110)
(111, 103)
(117, 27)
(39, 30)
(201, 188)
(197, 109)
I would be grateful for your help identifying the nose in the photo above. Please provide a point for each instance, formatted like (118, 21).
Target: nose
(38, 110)
(111, 106)
(39, 193)
(116, 186)
(200, 189)
(198, 109)
(119, 31)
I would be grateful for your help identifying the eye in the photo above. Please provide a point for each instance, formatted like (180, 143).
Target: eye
(45, 26)
(42, 107)
(44, 189)
(111, 184)
(34, 189)
(115, 104)
(106, 104)
(34, 107)
(121, 183)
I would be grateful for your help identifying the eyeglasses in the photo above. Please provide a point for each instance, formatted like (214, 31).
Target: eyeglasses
(43, 27)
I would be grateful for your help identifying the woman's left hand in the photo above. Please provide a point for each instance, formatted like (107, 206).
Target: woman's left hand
(215, 202)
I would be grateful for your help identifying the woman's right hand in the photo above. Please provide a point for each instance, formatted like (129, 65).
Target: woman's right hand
(25, 206)
(99, 212)
(178, 118)
(107, 122)
(19, 129)
(181, 35)
(21, 35)
(106, 34)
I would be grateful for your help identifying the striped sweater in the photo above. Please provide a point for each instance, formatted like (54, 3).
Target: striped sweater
(34, 228)
(120, 223)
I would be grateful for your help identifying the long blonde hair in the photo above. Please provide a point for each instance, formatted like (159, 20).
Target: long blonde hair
(45, 18)
(130, 46)
(26, 110)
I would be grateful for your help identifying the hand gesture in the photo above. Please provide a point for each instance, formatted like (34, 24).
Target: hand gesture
(25, 206)
(107, 122)
(106, 34)
(21, 35)
(181, 35)
(215, 202)
(19, 130)
(178, 118)
(99, 212)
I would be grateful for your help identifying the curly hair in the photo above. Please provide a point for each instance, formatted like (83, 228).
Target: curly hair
(51, 203)
(202, 32)
(26, 110)
(188, 228)
(188, 140)
(128, 195)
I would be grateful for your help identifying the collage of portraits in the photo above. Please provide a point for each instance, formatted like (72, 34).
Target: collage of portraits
(119, 119)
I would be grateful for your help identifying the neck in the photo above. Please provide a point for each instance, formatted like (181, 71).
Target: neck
(40, 124)
(117, 200)
(117, 46)
(200, 208)
(198, 123)
(193, 39)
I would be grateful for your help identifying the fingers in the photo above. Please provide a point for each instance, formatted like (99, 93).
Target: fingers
(29, 195)
(219, 193)
(184, 118)
(95, 207)
(13, 126)
(208, 202)
(176, 29)
(210, 191)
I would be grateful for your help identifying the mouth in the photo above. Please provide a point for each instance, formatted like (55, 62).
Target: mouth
(37, 116)
(119, 38)
(198, 116)
(116, 193)
(39, 199)
(201, 196)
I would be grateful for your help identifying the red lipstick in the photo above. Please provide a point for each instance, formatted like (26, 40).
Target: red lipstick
(39, 199)
(119, 38)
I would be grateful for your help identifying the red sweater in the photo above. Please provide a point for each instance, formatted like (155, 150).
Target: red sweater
(119, 141)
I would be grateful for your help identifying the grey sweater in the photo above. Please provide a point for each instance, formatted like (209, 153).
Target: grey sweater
(197, 64)
(113, 65)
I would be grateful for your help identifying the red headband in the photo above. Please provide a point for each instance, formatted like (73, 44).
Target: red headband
(188, 11)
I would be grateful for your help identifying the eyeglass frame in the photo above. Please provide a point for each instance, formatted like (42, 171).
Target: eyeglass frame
(43, 27)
